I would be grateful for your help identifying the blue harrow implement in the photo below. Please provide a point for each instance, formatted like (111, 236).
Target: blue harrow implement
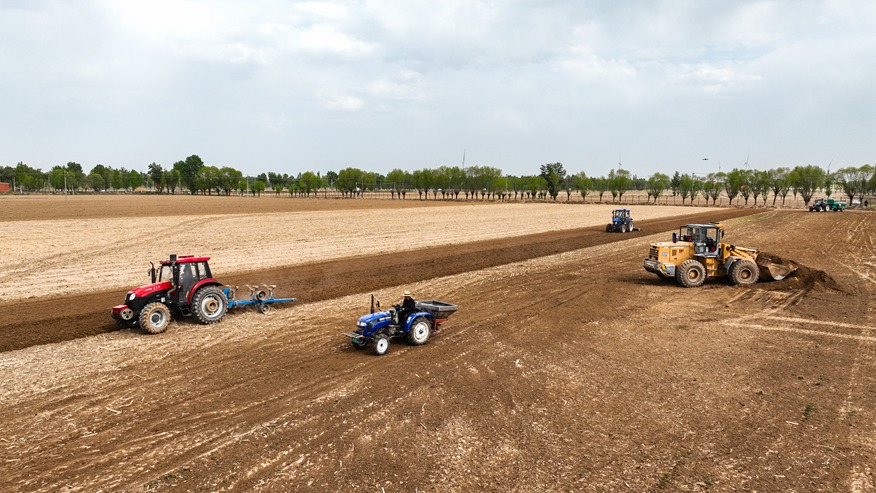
(260, 298)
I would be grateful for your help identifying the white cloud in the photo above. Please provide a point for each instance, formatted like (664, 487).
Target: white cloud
(326, 38)
(343, 102)
(517, 79)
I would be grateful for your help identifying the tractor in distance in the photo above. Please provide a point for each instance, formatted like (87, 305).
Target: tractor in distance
(824, 205)
(697, 252)
(621, 221)
(184, 286)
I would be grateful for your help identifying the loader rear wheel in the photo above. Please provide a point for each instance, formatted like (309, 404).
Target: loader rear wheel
(209, 305)
(690, 274)
(420, 331)
(154, 318)
(381, 345)
(744, 272)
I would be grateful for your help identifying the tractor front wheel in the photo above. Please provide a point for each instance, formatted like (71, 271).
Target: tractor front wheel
(744, 272)
(381, 345)
(420, 331)
(690, 274)
(209, 305)
(154, 318)
(609, 228)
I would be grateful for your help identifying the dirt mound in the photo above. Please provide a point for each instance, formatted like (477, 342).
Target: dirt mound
(802, 277)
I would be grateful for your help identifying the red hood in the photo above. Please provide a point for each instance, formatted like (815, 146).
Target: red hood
(148, 289)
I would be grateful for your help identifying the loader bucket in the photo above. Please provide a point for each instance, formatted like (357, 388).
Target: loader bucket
(774, 268)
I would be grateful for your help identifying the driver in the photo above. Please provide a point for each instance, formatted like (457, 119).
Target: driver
(408, 306)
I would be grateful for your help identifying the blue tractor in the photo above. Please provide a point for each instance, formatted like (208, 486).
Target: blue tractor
(378, 327)
(621, 221)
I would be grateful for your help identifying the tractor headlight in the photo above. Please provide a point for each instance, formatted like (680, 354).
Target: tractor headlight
(131, 296)
(361, 324)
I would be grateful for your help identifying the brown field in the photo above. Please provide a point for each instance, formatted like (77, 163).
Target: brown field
(567, 368)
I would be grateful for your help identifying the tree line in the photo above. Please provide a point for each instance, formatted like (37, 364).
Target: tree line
(193, 176)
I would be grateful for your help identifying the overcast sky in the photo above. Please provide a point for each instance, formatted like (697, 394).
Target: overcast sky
(284, 86)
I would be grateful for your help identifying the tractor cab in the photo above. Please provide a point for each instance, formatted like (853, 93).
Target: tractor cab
(704, 238)
(620, 215)
(184, 273)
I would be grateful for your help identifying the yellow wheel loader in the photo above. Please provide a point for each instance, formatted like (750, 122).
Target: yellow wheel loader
(697, 252)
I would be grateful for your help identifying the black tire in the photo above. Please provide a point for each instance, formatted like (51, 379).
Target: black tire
(690, 274)
(609, 228)
(154, 317)
(381, 345)
(209, 305)
(744, 272)
(421, 329)
(359, 343)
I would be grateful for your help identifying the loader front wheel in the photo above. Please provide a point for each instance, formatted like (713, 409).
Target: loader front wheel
(744, 272)
(690, 274)
(420, 331)
(209, 305)
(154, 318)
(381, 345)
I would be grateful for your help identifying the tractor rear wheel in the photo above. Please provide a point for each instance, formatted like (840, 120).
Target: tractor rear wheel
(154, 317)
(381, 345)
(209, 305)
(420, 331)
(744, 272)
(690, 274)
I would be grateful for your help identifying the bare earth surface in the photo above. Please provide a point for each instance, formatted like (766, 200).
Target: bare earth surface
(575, 371)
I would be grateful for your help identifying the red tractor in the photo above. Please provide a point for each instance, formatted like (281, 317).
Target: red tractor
(183, 286)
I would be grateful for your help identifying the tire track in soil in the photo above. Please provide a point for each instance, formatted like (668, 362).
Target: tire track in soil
(56, 319)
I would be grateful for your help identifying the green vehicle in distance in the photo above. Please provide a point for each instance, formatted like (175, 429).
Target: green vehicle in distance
(824, 205)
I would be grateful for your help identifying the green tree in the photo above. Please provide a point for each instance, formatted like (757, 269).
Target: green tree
(807, 180)
(553, 175)
(188, 171)
(156, 173)
(397, 180)
(228, 178)
(657, 183)
(349, 181)
(760, 185)
(733, 182)
(619, 182)
(688, 187)
(779, 183)
(95, 181)
(582, 184)
(675, 185)
(422, 181)
(309, 182)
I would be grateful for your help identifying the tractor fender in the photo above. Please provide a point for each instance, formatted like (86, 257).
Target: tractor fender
(414, 316)
(200, 284)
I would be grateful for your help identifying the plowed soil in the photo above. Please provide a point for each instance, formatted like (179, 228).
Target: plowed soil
(567, 368)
